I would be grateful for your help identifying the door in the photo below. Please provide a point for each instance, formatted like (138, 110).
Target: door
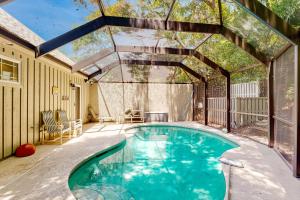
(77, 104)
(199, 90)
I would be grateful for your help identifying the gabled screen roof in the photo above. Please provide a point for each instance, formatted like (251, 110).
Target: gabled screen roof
(226, 34)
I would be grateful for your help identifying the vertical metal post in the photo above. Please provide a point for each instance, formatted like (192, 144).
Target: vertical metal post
(205, 103)
(271, 137)
(296, 160)
(228, 103)
(193, 102)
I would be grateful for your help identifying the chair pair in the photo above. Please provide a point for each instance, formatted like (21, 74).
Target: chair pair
(134, 116)
(51, 126)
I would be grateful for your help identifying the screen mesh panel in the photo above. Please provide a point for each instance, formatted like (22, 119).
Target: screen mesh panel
(113, 75)
(198, 66)
(154, 74)
(287, 10)
(250, 103)
(88, 45)
(284, 140)
(226, 54)
(196, 11)
(136, 8)
(217, 102)
(284, 102)
(259, 35)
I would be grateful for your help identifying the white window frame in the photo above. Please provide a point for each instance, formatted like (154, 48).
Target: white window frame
(18, 62)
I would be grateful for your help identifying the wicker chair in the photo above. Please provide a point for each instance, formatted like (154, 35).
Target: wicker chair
(51, 126)
(75, 125)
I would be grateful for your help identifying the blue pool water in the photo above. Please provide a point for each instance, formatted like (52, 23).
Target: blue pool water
(157, 162)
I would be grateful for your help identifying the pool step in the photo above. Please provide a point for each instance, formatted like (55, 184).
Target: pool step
(234, 163)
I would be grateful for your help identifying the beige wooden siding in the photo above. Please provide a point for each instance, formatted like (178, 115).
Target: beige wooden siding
(21, 104)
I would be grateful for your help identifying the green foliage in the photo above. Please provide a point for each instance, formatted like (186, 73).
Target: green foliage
(288, 10)
(196, 11)
(254, 31)
(226, 54)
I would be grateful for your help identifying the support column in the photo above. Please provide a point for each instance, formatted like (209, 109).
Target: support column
(271, 137)
(205, 103)
(228, 103)
(193, 102)
(296, 160)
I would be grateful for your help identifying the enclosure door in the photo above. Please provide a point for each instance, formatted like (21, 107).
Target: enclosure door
(77, 103)
(199, 102)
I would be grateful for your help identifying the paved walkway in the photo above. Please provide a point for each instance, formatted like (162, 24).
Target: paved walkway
(45, 175)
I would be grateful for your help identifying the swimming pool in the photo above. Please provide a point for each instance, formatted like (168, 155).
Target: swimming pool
(156, 162)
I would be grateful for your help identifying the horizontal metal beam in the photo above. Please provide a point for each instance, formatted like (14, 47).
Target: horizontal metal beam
(103, 70)
(149, 62)
(143, 82)
(157, 24)
(154, 50)
(165, 63)
(124, 22)
(266, 16)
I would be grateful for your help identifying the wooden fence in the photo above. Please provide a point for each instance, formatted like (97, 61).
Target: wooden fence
(244, 111)
(250, 89)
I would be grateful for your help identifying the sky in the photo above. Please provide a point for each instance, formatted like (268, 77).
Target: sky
(49, 18)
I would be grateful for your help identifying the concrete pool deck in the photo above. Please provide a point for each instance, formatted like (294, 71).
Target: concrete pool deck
(45, 174)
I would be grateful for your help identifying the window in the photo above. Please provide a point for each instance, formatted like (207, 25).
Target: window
(9, 70)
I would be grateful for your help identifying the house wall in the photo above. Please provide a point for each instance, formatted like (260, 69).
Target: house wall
(21, 104)
(175, 99)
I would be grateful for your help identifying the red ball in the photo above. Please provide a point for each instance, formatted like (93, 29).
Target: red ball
(25, 150)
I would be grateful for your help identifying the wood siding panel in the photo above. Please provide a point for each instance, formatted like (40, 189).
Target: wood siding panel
(1, 122)
(24, 106)
(7, 121)
(47, 88)
(16, 118)
(36, 101)
(30, 102)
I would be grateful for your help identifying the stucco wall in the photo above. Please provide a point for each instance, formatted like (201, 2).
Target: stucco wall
(175, 99)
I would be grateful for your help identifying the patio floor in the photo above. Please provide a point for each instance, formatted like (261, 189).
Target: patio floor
(45, 174)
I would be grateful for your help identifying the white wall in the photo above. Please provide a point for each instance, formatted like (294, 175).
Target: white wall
(115, 98)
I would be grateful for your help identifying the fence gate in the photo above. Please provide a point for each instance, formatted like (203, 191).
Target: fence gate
(199, 90)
